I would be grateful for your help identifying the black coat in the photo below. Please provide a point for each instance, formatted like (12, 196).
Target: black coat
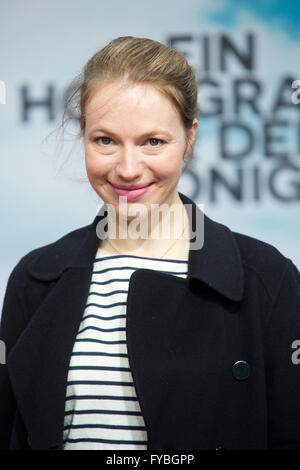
(240, 302)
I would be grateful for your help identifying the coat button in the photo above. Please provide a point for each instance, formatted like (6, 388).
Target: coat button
(241, 370)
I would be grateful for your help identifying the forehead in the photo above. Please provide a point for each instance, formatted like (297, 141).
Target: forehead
(131, 102)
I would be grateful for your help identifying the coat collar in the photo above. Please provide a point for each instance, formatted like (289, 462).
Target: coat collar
(217, 262)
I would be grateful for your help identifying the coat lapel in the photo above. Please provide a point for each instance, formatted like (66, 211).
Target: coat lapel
(38, 364)
(176, 350)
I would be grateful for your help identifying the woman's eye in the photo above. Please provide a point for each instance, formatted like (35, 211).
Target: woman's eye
(104, 140)
(154, 142)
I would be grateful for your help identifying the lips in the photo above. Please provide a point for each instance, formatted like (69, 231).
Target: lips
(131, 192)
(130, 188)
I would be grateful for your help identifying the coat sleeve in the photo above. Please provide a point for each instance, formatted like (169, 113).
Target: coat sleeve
(283, 363)
(11, 325)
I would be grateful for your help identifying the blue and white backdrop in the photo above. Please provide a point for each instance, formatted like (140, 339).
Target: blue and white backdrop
(246, 164)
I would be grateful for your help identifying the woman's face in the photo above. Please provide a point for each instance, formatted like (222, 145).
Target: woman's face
(134, 137)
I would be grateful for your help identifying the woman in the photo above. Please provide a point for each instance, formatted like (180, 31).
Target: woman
(121, 339)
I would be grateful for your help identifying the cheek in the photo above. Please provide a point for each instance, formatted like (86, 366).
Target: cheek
(171, 166)
(95, 165)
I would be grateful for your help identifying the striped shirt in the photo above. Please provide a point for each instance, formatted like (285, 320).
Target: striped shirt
(101, 409)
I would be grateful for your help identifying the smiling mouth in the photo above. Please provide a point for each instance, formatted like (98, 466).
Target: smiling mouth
(130, 188)
(131, 192)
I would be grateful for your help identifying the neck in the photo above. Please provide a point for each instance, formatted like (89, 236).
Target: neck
(155, 231)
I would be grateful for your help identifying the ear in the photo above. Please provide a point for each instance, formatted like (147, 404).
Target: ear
(191, 138)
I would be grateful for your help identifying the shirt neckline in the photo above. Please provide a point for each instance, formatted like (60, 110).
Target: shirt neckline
(100, 255)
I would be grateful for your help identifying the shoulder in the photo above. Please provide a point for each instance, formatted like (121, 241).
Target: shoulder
(235, 261)
(265, 262)
(52, 252)
(257, 253)
(31, 281)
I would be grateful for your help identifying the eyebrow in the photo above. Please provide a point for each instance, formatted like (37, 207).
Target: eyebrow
(146, 134)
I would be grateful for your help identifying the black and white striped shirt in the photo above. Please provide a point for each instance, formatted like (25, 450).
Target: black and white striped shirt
(102, 410)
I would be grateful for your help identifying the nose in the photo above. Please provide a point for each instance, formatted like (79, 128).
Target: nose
(129, 166)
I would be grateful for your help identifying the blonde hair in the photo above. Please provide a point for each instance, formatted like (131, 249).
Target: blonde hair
(138, 60)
